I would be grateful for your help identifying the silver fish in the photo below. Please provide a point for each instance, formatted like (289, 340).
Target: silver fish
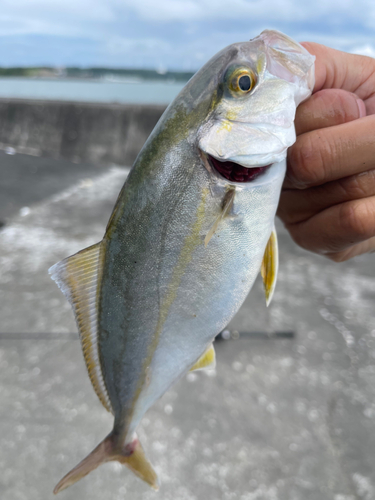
(191, 229)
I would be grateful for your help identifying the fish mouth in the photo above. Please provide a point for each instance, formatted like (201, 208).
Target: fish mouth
(234, 172)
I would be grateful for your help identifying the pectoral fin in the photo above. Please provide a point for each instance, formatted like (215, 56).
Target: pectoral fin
(207, 361)
(270, 265)
(226, 206)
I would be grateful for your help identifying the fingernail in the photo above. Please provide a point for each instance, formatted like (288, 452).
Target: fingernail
(361, 108)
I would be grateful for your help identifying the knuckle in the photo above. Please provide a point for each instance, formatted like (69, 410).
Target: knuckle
(357, 220)
(354, 187)
(303, 162)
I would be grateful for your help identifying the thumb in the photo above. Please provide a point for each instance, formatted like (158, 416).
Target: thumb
(340, 70)
(327, 108)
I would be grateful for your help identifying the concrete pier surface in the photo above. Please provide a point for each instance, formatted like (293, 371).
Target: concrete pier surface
(285, 417)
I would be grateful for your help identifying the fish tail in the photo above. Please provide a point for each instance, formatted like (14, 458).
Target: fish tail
(131, 455)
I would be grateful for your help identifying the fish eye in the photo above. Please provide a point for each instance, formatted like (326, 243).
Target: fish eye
(242, 80)
(244, 83)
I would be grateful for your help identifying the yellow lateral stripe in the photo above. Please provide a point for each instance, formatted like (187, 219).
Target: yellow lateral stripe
(192, 240)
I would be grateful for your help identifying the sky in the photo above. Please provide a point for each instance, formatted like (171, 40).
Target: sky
(169, 34)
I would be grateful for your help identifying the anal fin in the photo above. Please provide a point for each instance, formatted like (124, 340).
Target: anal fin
(78, 278)
(207, 361)
(270, 266)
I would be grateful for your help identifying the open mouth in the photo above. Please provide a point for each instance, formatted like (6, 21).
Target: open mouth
(234, 172)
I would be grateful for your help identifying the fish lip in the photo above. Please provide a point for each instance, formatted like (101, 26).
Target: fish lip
(211, 163)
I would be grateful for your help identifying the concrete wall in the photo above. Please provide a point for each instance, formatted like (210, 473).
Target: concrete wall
(98, 133)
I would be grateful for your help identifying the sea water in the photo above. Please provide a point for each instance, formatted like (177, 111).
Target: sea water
(135, 92)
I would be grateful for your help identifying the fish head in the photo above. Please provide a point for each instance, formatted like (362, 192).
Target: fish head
(250, 122)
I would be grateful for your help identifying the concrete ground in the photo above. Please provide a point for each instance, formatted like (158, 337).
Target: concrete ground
(284, 418)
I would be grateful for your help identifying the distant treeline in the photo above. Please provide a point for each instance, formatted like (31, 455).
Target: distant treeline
(24, 71)
(97, 73)
(144, 74)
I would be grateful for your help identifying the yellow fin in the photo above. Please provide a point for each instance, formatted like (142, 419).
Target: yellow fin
(270, 265)
(207, 361)
(225, 208)
(78, 277)
(131, 455)
(138, 463)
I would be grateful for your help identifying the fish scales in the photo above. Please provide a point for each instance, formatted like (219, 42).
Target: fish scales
(185, 243)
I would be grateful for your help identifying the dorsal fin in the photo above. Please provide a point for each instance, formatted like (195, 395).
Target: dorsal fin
(78, 277)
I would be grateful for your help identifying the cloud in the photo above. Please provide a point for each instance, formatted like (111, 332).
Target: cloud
(43, 17)
(172, 33)
(364, 50)
(272, 10)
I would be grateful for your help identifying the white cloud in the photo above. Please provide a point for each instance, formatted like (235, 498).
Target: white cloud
(117, 44)
(83, 9)
(57, 17)
(364, 50)
(45, 15)
(267, 11)
(180, 33)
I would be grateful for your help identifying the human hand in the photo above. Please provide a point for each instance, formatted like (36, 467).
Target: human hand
(328, 198)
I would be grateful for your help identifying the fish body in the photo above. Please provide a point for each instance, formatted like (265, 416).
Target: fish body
(187, 236)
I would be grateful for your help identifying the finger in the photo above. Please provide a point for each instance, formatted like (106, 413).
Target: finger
(367, 246)
(327, 108)
(340, 70)
(328, 154)
(337, 228)
(298, 205)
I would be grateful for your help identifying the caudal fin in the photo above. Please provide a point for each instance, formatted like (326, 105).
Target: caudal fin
(132, 455)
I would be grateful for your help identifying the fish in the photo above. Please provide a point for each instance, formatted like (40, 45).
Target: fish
(191, 229)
